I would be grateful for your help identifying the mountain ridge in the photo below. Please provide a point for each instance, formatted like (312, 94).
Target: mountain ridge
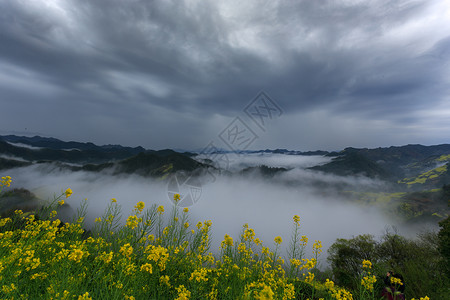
(416, 177)
(394, 163)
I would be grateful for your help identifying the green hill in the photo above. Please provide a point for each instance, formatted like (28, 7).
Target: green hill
(353, 163)
(158, 163)
(12, 163)
(429, 179)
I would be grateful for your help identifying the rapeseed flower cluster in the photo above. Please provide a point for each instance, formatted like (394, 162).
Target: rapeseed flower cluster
(76, 255)
(147, 268)
(278, 240)
(227, 241)
(68, 193)
(317, 248)
(368, 281)
(341, 294)
(200, 275)
(367, 264)
(133, 221)
(396, 281)
(176, 198)
(139, 207)
(183, 293)
(296, 220)
(5, 181)
(126, 250)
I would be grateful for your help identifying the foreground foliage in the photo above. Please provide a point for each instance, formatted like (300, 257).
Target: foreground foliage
(155, 255)
(419, 261)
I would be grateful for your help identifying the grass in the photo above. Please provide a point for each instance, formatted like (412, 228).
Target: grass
(424, 177)
(154, 254)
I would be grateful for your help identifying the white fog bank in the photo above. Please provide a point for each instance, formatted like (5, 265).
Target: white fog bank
(268, 207)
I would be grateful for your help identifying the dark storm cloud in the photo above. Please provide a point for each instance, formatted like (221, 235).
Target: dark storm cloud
(136, 65)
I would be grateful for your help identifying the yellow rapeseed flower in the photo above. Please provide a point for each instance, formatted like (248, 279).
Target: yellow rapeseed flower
(266, 293)
(105, 257)
(317, 247)
(8, 288)
(304, 240)
(227, 241)
(368, 281)
(5, 181)
(68, 193)
(396, 280)
(139, 206)
(278, 240)
(147, 268)
(158, 254)
(329, 284)
(85, 296)
(199, 275)
(133, 221)
(76, 255)
(126, 250)
(160, 209)
(176, 197)
(164, 280)
(310, 277)
(113, 200)
(183, 293)
(4, 221)
(185, 209)
(367, 264)
(249, 234)
(296, 219)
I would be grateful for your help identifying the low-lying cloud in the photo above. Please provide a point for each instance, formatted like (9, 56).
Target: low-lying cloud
(267, 205)
(238, 162)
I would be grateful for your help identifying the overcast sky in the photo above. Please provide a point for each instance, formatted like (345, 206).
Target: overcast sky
(184, 74)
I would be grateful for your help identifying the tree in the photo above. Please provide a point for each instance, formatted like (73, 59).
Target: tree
(346, 257)
(444, 243)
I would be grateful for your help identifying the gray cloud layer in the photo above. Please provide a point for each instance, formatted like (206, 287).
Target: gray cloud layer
(267, 206)
(175, 73)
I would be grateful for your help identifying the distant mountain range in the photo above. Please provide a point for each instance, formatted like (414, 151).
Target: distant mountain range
(412, 166)
(22, 151)
(417, 176)
(401, 164)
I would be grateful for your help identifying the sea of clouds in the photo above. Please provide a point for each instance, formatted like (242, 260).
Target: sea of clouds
(266, 204)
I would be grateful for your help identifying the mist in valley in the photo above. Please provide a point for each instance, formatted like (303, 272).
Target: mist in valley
(267, 204)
